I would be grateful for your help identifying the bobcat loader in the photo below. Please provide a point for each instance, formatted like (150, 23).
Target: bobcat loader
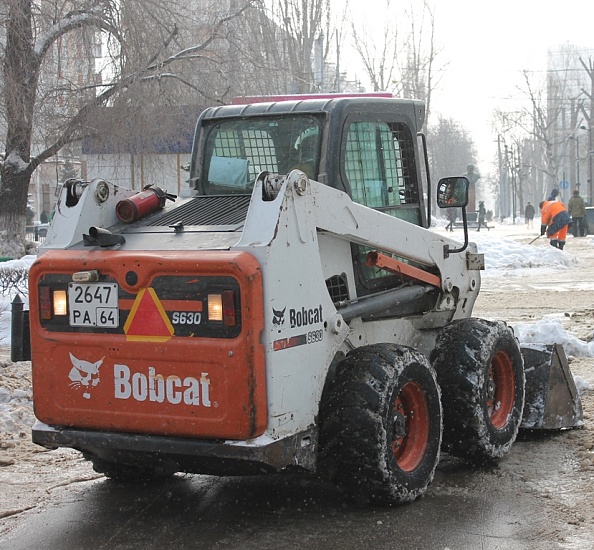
(294, 311)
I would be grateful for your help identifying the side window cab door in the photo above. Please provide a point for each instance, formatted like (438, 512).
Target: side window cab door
(379, 168)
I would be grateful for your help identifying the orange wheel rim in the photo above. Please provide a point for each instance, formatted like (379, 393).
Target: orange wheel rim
(501, 391)
(410, 434)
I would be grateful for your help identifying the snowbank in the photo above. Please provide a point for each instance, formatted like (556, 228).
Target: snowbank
(5, 300)
(550, 331)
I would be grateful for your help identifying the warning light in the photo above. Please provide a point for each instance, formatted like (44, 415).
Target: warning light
(215, 308)
(221, 308)
(59, 297)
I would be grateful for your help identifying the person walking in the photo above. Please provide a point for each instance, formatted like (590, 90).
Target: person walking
(481, 215)
(529, 215)
(554, 221)
(451, 215)
(576, 208)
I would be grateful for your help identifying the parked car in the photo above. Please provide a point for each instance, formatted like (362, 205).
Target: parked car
(590, 220)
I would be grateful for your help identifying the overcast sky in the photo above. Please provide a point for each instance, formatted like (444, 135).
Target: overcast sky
(489, 44)
(485, 46)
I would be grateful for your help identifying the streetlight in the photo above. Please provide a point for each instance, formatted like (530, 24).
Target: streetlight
(577, 159)
(590, 153)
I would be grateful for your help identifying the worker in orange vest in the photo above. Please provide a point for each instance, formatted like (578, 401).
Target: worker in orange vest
(554, 220)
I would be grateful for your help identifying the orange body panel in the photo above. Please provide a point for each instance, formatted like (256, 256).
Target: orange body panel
(183, 385)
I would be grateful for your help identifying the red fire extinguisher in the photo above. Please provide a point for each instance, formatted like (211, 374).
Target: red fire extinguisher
(146, 202)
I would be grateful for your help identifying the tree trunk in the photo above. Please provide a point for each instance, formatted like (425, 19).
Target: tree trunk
(13, 206)
(21, 73)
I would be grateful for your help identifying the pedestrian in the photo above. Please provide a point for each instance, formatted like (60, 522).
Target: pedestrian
(576, 208)
(554, 221)
(451, 215)
(529, 215)
(481, 215)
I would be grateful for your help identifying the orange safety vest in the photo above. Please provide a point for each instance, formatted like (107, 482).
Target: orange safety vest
(549, 210)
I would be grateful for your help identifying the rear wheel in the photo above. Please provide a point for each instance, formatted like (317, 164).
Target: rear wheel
(480, 371)
(381, 424)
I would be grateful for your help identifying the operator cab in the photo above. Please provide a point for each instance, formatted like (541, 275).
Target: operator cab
(365, 147)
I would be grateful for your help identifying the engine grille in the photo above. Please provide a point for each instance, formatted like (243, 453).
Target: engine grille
(204, 210)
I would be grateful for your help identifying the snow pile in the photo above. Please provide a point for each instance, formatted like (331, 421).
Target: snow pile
(5, 317)
(5, 300)
(24, 262)
(505, 253)
(16, 403)
(550, 331)
(582, 384)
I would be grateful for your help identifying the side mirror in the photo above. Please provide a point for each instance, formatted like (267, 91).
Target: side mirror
(452, 192)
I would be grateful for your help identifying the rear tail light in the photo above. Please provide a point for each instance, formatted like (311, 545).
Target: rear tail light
(45, 303)
(59, 302)
(221, 308)
(52, 303)
(229, 318)
(215, 308)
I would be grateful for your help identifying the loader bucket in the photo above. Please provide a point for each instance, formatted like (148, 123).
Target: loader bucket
(552, 400)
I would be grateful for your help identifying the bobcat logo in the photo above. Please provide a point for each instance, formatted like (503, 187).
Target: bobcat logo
(278, 319)
(84, 375)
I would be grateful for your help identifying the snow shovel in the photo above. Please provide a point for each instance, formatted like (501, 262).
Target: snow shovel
(535, 239)
(552, 400)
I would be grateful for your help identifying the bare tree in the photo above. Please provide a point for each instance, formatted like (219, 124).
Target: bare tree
(587, 110)
(542, 131)
(306, 32)
(399, 54)
(418, 78)
(452, 148)
(378, 48)
(34, 31)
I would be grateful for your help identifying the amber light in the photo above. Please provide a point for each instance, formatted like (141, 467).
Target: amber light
(59, 302)
(221, 308)
(215, 308)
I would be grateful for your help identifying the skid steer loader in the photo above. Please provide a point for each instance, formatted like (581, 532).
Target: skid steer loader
(294, 311)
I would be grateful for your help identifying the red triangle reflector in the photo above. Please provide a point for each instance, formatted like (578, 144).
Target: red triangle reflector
(148, 320)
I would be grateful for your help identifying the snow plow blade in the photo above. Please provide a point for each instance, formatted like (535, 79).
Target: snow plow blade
(552, 400)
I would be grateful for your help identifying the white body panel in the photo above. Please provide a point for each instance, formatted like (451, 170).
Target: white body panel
(300, 241)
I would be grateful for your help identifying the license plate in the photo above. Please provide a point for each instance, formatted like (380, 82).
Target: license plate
(93, 305)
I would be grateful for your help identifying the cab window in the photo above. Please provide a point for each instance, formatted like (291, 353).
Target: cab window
(379, 166)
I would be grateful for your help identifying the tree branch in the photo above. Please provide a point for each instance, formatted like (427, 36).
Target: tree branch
(72, 130)
(71, 21)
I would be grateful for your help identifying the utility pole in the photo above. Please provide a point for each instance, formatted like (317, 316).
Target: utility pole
(577, 161)
(512, 170)
(590, 153)
(590, 118)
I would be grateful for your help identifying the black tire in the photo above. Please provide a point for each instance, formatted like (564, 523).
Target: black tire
(127, 473)
(381, 428)
(480, 371)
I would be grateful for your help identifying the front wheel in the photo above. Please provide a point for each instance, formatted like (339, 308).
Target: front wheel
(480, 371)
(381, 424)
